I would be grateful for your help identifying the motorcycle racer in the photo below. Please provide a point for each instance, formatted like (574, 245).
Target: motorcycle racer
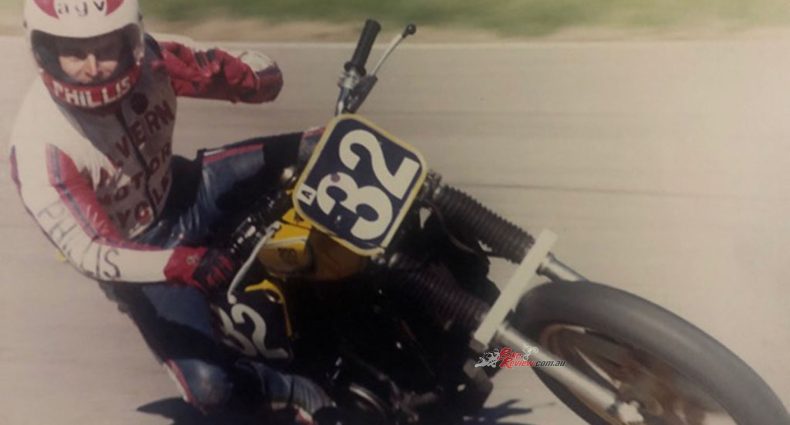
(91, 155)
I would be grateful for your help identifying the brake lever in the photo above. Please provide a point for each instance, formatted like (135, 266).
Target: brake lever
(356, 86)
(410, 29)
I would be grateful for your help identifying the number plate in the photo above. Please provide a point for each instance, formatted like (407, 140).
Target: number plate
(256, 324)
(359, 184)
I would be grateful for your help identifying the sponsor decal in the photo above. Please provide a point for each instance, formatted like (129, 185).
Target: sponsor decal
(96, 260)
(91, 97)
(111, 190)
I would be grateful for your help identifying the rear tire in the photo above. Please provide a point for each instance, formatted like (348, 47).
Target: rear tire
(617, 316)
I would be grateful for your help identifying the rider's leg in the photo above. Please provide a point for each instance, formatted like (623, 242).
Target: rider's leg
(220, 183)
(235, 176)
(176, 323)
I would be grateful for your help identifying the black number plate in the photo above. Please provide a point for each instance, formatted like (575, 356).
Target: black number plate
(359, 184)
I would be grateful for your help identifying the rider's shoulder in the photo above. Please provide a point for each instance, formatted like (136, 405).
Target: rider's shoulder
(38, 110)
(39, 119)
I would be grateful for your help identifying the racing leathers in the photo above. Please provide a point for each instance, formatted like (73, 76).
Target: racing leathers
(108, 192)
(94, 182)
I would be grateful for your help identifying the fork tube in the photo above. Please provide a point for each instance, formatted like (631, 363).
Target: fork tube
(555, 270)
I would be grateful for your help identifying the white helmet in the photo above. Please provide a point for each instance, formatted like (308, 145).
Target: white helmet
(48, 20)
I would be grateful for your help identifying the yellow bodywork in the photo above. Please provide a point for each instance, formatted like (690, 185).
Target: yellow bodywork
(287, 253)
(299, 250)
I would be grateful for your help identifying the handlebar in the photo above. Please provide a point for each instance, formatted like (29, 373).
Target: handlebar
(355, 83)
(364, 45)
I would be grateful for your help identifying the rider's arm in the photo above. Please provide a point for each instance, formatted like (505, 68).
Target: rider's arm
(65, 206)
(214, 73)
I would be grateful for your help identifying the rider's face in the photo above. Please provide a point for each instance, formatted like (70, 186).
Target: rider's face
(89, 60)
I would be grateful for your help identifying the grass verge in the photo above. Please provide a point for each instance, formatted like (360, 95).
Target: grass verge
(526, 18)
(295, 20)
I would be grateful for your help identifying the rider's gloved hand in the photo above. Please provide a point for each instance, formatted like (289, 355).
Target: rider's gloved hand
(215, 73)
(183, 63)
(201, 267)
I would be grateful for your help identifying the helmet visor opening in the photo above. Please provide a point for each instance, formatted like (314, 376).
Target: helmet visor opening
(87, 61)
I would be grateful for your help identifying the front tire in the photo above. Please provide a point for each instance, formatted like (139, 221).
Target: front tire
(556, 314)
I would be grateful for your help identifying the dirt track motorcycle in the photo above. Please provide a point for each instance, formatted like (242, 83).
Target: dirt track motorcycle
(380, 274)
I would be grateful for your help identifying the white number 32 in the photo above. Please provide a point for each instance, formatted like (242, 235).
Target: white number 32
(371, 196)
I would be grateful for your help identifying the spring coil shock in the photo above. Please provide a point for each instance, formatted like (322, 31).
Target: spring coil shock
(432, 289)
(504, 238)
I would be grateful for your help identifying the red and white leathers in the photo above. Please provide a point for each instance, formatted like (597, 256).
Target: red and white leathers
(95, 180)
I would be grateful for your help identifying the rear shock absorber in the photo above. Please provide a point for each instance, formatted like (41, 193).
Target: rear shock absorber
(433, 290)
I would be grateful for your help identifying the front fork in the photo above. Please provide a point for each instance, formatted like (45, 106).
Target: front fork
(495, 330)
(534, 258)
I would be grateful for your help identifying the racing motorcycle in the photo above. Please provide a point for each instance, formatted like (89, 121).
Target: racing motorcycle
(379, 272)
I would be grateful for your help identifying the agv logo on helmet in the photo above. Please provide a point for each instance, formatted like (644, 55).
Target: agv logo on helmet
(78, 8)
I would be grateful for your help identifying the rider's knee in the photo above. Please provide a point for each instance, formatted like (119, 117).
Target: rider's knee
(203, 385)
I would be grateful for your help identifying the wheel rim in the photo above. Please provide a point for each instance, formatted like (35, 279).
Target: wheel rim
(663, 396)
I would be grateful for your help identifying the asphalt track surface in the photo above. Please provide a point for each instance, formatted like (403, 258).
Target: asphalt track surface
(664, 168)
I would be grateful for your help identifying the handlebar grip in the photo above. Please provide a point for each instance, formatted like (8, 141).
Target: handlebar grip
(364, 45)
